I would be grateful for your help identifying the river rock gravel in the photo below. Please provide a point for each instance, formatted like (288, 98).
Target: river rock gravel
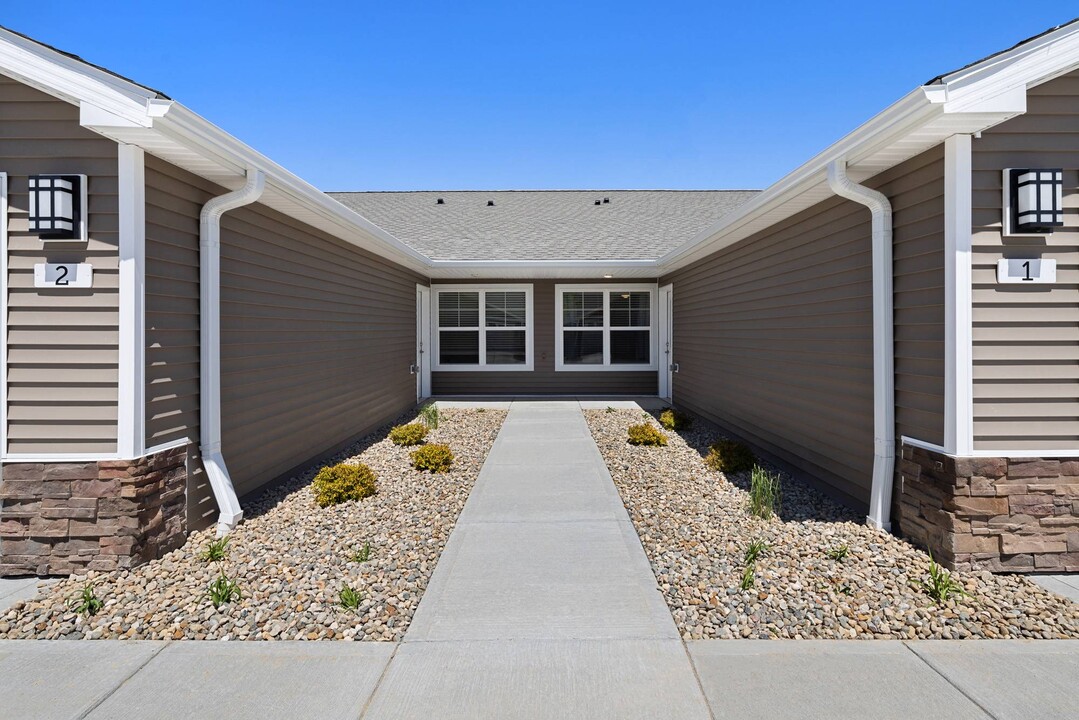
(291, 558)
(694, 526)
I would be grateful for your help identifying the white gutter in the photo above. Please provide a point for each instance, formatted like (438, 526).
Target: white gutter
(880, 497)
(210, 344)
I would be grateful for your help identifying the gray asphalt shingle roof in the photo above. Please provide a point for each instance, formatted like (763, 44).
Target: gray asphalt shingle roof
(545, 224)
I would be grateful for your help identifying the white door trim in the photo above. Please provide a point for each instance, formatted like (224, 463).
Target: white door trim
(423, 342)
(665, 318)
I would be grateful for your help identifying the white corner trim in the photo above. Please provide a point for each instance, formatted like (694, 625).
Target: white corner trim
(958, 301)
(1010, 454)
(3, 313)
(529, 328)
(606, 289)
(131, 400)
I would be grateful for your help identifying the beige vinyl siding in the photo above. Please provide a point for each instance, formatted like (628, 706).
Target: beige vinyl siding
(1026, 339)
(174, 198)
(916, 191)
(543, 379)
(774, 335)
(317, 339)
(62, 344)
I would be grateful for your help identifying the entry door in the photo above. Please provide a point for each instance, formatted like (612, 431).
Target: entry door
(422, 367)
(666, 342)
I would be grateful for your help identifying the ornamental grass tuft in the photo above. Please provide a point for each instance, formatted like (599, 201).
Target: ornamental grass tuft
(340, 483)
(764, 493)
(646, 434)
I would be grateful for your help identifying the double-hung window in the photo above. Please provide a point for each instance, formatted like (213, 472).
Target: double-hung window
(483, 328)
(605, 327)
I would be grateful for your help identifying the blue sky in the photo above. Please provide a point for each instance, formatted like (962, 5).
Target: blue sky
(542, 94)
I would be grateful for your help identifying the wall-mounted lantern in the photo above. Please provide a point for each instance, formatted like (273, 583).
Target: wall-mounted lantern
(58, 207)
(1033, 201)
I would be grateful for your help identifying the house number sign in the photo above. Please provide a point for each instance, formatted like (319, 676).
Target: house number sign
(1026, 270)
(63, 275)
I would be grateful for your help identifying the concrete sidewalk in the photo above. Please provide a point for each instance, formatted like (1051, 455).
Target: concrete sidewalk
(543, 605)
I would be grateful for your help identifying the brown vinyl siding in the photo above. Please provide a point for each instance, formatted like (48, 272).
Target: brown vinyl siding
(1026, 339)
(543, 380)
(774, 335)
(62, 374)
(317, 337)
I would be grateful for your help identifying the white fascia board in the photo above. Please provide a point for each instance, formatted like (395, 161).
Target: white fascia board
(912, 111)
(73, 80)
(210, 141)
(1031, 63)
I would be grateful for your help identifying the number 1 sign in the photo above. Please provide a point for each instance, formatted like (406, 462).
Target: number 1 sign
(63, 275)
(1026, 270)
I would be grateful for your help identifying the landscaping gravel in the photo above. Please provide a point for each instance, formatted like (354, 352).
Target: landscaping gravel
(291, 558)
(694, 526)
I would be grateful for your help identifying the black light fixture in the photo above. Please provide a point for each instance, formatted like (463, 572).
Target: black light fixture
(597, 202)
(57, 207)
(440, 201)
(1033, 200)
(490, 203)
(606, 201)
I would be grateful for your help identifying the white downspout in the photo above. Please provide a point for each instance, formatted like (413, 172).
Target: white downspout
(880, 498)
(210, 345)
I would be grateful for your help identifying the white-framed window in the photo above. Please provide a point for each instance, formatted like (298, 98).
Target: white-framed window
(605, 327)
(482, 327)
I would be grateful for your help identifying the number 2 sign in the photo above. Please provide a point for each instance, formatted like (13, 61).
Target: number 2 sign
(63, 275)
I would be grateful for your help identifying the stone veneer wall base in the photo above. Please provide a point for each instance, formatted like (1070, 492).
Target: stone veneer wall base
(64, 518)
(998, 514)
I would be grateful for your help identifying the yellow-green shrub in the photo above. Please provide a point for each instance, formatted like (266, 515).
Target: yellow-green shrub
(340, 483)
(434, 458)
(730, 456)
(411, 434)
(646, 434)
(673, 420)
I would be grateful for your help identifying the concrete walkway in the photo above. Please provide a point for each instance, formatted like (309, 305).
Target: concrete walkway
(543, 605)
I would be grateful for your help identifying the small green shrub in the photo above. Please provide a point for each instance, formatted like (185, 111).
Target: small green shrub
(754, 550)
(216, 550)
(429, 415)
(363, 554)
(747, 578)
(87, 603)
(223, 591)
(646, 434)
(940, 585)
(350, 598)
(673, 420)
(839, 553)
(340, 483)
(764, 493)
(730, 456)
(610, 409)
(411, 434)
(433, 458)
